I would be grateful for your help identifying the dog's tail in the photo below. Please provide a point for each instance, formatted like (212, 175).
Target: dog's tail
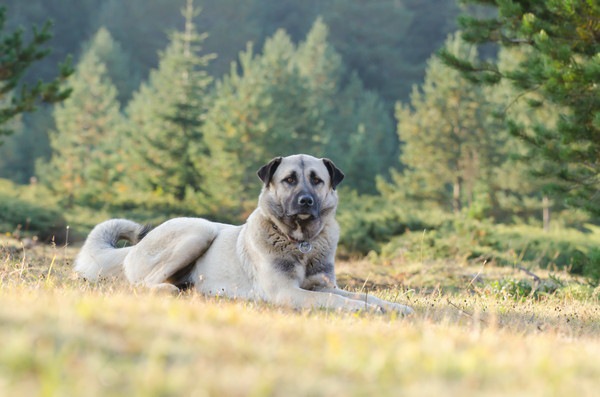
(100, 256)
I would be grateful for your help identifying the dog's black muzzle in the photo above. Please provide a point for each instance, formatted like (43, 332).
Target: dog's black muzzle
(303, 208)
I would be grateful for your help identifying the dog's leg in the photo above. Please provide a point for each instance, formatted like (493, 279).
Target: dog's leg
(388, 306)
(299, 298)
(156, 269)
(168, 251)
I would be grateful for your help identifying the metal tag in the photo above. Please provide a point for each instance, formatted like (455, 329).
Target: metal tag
(305, 247)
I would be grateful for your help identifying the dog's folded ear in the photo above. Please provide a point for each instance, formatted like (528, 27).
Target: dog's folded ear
(265, 173)
(335, 173)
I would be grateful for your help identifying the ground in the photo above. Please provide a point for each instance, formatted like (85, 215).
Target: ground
(470, 335)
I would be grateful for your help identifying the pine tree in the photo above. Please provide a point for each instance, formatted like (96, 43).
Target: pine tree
(520, 179)
(15, 58)
(292, 99)
(563, 66)
(166, 115)
(363, 141)
(118, 63)
(259, 111)
(11, 156)
(88, 125)
(448, 145)
(356, 129)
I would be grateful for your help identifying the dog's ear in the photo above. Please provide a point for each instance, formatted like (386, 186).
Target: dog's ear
(336, 175)
(265, 173)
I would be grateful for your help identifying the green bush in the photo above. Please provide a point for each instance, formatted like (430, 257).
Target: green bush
(367, 222)
(511, 288)
(31, 219)
(31, 211)
(472, 240)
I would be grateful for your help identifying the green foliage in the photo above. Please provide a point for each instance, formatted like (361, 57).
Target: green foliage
(28, 144)
(119, 65)
(257, 112)
(15, 58)
(84, 163)
(517, 246)
(291, 99)
(23, 212)
(448, 135)
(368, 222)
(387, 42)
(511, 288)
(354, 122)
(562, 64)
(165, 143)
(521, 289)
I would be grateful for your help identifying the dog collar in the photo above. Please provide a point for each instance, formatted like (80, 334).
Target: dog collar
(303, 246)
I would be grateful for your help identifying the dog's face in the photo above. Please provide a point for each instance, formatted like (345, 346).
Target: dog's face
(299, 193)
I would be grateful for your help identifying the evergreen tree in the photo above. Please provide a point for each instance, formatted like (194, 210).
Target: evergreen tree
(166, 115)
(140, 26)
(292, 99)
(83, 165)
(15, 58)
(118, 63)
(448, 145)
(563, 66)
(28, 145)
(356, 129)
(11, 162)
(354, 126)
(363, 141)
(520, 179)
(258, 112)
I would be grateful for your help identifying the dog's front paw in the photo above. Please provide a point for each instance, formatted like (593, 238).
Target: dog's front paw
(361, 307)
(165, 288)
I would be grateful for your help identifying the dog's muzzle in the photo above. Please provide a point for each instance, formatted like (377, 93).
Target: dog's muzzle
(305, 208)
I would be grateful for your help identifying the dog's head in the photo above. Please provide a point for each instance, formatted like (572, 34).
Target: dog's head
(299, 193)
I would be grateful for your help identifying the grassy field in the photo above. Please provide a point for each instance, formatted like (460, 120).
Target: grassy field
(472, 334)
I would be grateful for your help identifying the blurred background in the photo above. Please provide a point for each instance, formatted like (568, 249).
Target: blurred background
(175, 104)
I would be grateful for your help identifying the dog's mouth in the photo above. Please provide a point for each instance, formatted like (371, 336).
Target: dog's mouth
(303, 217)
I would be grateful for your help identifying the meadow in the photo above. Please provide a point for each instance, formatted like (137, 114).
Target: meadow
(473, 333)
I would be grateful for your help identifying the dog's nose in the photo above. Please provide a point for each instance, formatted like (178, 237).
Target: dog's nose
(306, 200)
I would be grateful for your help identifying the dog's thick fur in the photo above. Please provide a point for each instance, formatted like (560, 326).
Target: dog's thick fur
(283, 254)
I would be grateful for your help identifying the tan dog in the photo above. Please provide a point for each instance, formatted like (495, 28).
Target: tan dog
(283, 254)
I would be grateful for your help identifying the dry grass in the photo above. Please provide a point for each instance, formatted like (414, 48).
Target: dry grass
(62, 336)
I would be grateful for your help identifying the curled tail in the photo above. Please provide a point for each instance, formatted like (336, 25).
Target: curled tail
(100, 256)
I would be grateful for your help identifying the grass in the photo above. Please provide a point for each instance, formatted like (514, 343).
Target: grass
(62, 336)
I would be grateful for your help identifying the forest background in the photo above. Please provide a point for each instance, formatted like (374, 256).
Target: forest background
(173, 110)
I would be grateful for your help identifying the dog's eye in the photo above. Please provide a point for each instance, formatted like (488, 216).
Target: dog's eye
(290, 180)
(316, 181)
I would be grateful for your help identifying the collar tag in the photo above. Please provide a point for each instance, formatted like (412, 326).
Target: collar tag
(305, 247)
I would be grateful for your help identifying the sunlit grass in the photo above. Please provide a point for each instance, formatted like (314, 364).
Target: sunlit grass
(63, 336)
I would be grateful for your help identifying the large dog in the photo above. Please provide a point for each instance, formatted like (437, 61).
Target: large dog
(283, 254)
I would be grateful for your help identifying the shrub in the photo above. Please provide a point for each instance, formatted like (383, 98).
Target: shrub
(468, 240)
(31, 219)
(367, 222)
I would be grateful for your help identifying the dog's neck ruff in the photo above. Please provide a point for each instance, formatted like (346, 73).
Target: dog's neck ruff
(303, 246)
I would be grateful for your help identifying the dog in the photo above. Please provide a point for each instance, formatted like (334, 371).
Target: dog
(283, 254)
